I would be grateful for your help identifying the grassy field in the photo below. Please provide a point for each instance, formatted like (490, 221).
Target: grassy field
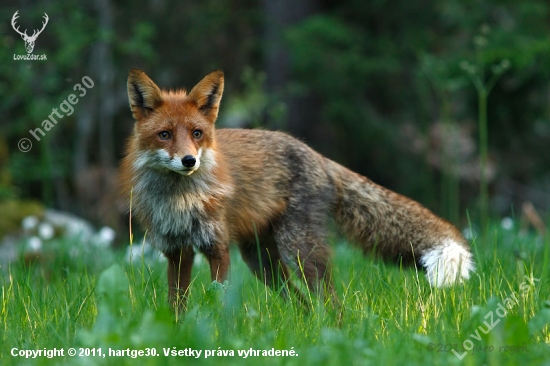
(96, 303)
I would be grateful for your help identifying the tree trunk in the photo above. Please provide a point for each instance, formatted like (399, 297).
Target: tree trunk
(280, 15)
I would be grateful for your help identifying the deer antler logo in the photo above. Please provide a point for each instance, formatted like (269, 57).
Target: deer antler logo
(29, 41)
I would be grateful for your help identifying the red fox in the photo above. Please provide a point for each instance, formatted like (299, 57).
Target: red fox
(197, 188)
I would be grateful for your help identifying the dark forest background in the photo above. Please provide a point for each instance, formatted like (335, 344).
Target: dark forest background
(387, 88)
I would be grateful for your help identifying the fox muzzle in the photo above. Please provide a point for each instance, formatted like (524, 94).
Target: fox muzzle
(188, 161)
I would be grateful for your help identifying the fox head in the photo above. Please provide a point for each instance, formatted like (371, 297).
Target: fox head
(174, 130)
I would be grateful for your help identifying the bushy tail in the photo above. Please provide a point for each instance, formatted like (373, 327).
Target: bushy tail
(384, 222)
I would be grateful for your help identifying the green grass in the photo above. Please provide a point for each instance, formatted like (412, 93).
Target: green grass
(391, 316)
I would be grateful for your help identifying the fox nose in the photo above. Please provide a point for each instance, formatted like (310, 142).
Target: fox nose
(188, 161)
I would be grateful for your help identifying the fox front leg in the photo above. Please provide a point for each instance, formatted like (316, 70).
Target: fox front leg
(218, 258)
(180, 264)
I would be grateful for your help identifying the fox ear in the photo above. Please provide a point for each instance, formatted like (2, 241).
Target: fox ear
(208, 93)
(143, 94)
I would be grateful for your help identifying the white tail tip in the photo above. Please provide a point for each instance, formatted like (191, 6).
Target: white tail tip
(447, 264)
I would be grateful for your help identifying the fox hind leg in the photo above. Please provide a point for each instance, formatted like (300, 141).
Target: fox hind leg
(302, 246)
(263, 259)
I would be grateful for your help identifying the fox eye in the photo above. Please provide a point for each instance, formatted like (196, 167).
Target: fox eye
(197, 134)
(165, 135)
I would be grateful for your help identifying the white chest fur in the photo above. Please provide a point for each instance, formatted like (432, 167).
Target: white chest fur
(173, 206)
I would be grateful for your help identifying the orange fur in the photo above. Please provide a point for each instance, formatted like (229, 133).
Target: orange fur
(196, 188)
